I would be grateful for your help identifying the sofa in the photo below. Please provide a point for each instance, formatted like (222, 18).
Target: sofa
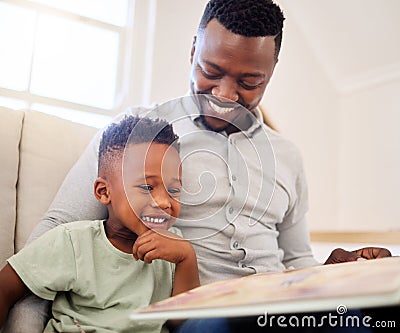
(37, 150)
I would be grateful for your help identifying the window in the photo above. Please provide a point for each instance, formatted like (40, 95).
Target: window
(61, 56)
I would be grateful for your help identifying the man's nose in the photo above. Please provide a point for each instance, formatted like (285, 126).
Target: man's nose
(226, 89)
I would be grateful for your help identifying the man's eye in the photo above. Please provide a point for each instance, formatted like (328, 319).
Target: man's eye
(250, 86)
(211, 76)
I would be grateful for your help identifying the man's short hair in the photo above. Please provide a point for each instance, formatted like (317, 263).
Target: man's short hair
(249, 18)
(132, 130)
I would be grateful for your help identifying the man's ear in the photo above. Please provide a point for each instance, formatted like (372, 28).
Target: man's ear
(193, 49)
(101, 191)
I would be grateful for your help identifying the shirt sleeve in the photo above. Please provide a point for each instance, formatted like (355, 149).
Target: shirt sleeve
(294, 237)
(47, 265)
(295, 241)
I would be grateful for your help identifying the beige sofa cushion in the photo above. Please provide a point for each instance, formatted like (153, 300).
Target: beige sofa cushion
(10, 132)
(49, 148)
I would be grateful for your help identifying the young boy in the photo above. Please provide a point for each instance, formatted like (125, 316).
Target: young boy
(97, 272)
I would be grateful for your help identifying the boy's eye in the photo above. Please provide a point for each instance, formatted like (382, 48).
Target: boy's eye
(146, 187)
(174, 191)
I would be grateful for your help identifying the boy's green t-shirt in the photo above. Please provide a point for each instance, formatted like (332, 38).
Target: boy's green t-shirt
(91, 283)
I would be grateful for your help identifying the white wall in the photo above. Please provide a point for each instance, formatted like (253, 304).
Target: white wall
(349, 135)
(304, 106)
(175, 29)
(162, 40)
(369, 178)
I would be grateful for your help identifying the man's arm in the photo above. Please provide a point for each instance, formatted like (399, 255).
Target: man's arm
(294, 236)
(11, 290)
(295, 241)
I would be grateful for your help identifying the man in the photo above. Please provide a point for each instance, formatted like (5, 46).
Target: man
(244, 194)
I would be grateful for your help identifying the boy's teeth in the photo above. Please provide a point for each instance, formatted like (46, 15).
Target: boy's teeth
(219, 109)
(153, 220)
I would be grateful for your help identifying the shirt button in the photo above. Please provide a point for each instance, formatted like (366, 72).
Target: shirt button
(235, 244)
(230, 210)
(234, 178)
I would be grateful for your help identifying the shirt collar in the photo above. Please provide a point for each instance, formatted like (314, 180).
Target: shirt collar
(255, 118)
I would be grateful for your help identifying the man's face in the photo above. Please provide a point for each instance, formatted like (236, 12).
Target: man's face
(148, 194)
(230, 68)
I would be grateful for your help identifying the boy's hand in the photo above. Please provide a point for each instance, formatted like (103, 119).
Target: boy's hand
(340, 255)
(161, 244)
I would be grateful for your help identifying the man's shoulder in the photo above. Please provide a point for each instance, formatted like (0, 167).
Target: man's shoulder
(284, 149)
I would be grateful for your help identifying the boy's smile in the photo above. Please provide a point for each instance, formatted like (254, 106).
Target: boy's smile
(157, 221)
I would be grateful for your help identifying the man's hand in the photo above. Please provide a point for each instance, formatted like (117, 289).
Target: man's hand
(340, 255)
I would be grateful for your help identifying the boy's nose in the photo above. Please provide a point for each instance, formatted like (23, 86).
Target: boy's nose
(161, 200)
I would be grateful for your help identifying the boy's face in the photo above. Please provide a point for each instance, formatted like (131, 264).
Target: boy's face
(230, 68)
(147, 195)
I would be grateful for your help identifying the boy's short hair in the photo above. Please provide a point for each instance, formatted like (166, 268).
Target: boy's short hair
(132, 130)
(249, 18)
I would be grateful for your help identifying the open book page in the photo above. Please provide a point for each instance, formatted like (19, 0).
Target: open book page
(360, 284)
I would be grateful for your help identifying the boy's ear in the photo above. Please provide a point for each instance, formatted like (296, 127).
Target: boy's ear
(101, 191)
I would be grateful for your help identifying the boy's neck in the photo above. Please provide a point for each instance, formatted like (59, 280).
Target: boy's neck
(122, 239)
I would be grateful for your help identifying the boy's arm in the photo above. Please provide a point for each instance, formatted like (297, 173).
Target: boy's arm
(11, 290)
(186, 272)
(162, 244)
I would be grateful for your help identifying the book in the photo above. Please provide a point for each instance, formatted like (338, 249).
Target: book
(338, 287)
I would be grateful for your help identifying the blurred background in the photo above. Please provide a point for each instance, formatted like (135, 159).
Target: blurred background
(335, 91)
